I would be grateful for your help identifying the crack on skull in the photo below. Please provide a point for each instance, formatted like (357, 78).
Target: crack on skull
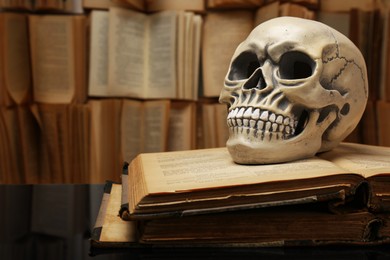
(340, 72)
(265, 124)
(327, 59)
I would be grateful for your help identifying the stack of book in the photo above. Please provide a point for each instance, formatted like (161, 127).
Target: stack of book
(201, 198)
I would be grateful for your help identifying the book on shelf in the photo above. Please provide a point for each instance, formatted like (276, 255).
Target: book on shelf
(179, 5)
(123, 128)
(207, 180)
(58, 6)
(230, 4)
(58, 62)
(182, 126)
(151, 6)
(144, 55)
(347, 5)
(212, 130)
(30, 143)
(11, 151)
(105, 125)
(151, 134)
(15, 72)
(55, 141)
(138, 5)
(383, 121)
(68, 6)
(104, 5)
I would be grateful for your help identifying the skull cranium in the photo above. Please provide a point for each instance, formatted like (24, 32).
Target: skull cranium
(295, 87)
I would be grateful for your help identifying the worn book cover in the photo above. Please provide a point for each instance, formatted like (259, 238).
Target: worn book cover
(203, 181)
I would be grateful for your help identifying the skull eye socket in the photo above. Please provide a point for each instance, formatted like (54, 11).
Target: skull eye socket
(243, 66)
(295, 65)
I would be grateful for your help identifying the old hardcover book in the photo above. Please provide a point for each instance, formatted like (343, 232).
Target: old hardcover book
(204, 181)
(293, 225)
(110, 230)
(289, 225)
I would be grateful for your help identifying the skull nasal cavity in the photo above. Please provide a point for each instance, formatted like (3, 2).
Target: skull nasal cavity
(255, 81)
(296, 65)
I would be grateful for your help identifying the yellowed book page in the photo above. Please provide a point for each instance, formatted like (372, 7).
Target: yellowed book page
(222, 129)
(80, 47)
(160, 72)
(132, 129)
(98, 57)
(181, 126)
(96, 145)
(156, 120)
(55, 129)
(210, 168)
(180, 42)
(16, 56)
(366, 160)
(196, 46)
(114, 229)
(209, 126)
(267, 12)
(105, 140)
(188, 57)
(53, 58)
(223, 32)
(127, 52)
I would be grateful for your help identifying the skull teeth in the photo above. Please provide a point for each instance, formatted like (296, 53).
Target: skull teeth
(262, 120)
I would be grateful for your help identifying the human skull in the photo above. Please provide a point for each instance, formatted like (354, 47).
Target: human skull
(295, 87)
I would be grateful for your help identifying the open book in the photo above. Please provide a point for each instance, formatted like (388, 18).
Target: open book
(133, 54)
(205, 181)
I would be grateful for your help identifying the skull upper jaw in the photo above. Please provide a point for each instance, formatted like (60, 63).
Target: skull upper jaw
(246, 146)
